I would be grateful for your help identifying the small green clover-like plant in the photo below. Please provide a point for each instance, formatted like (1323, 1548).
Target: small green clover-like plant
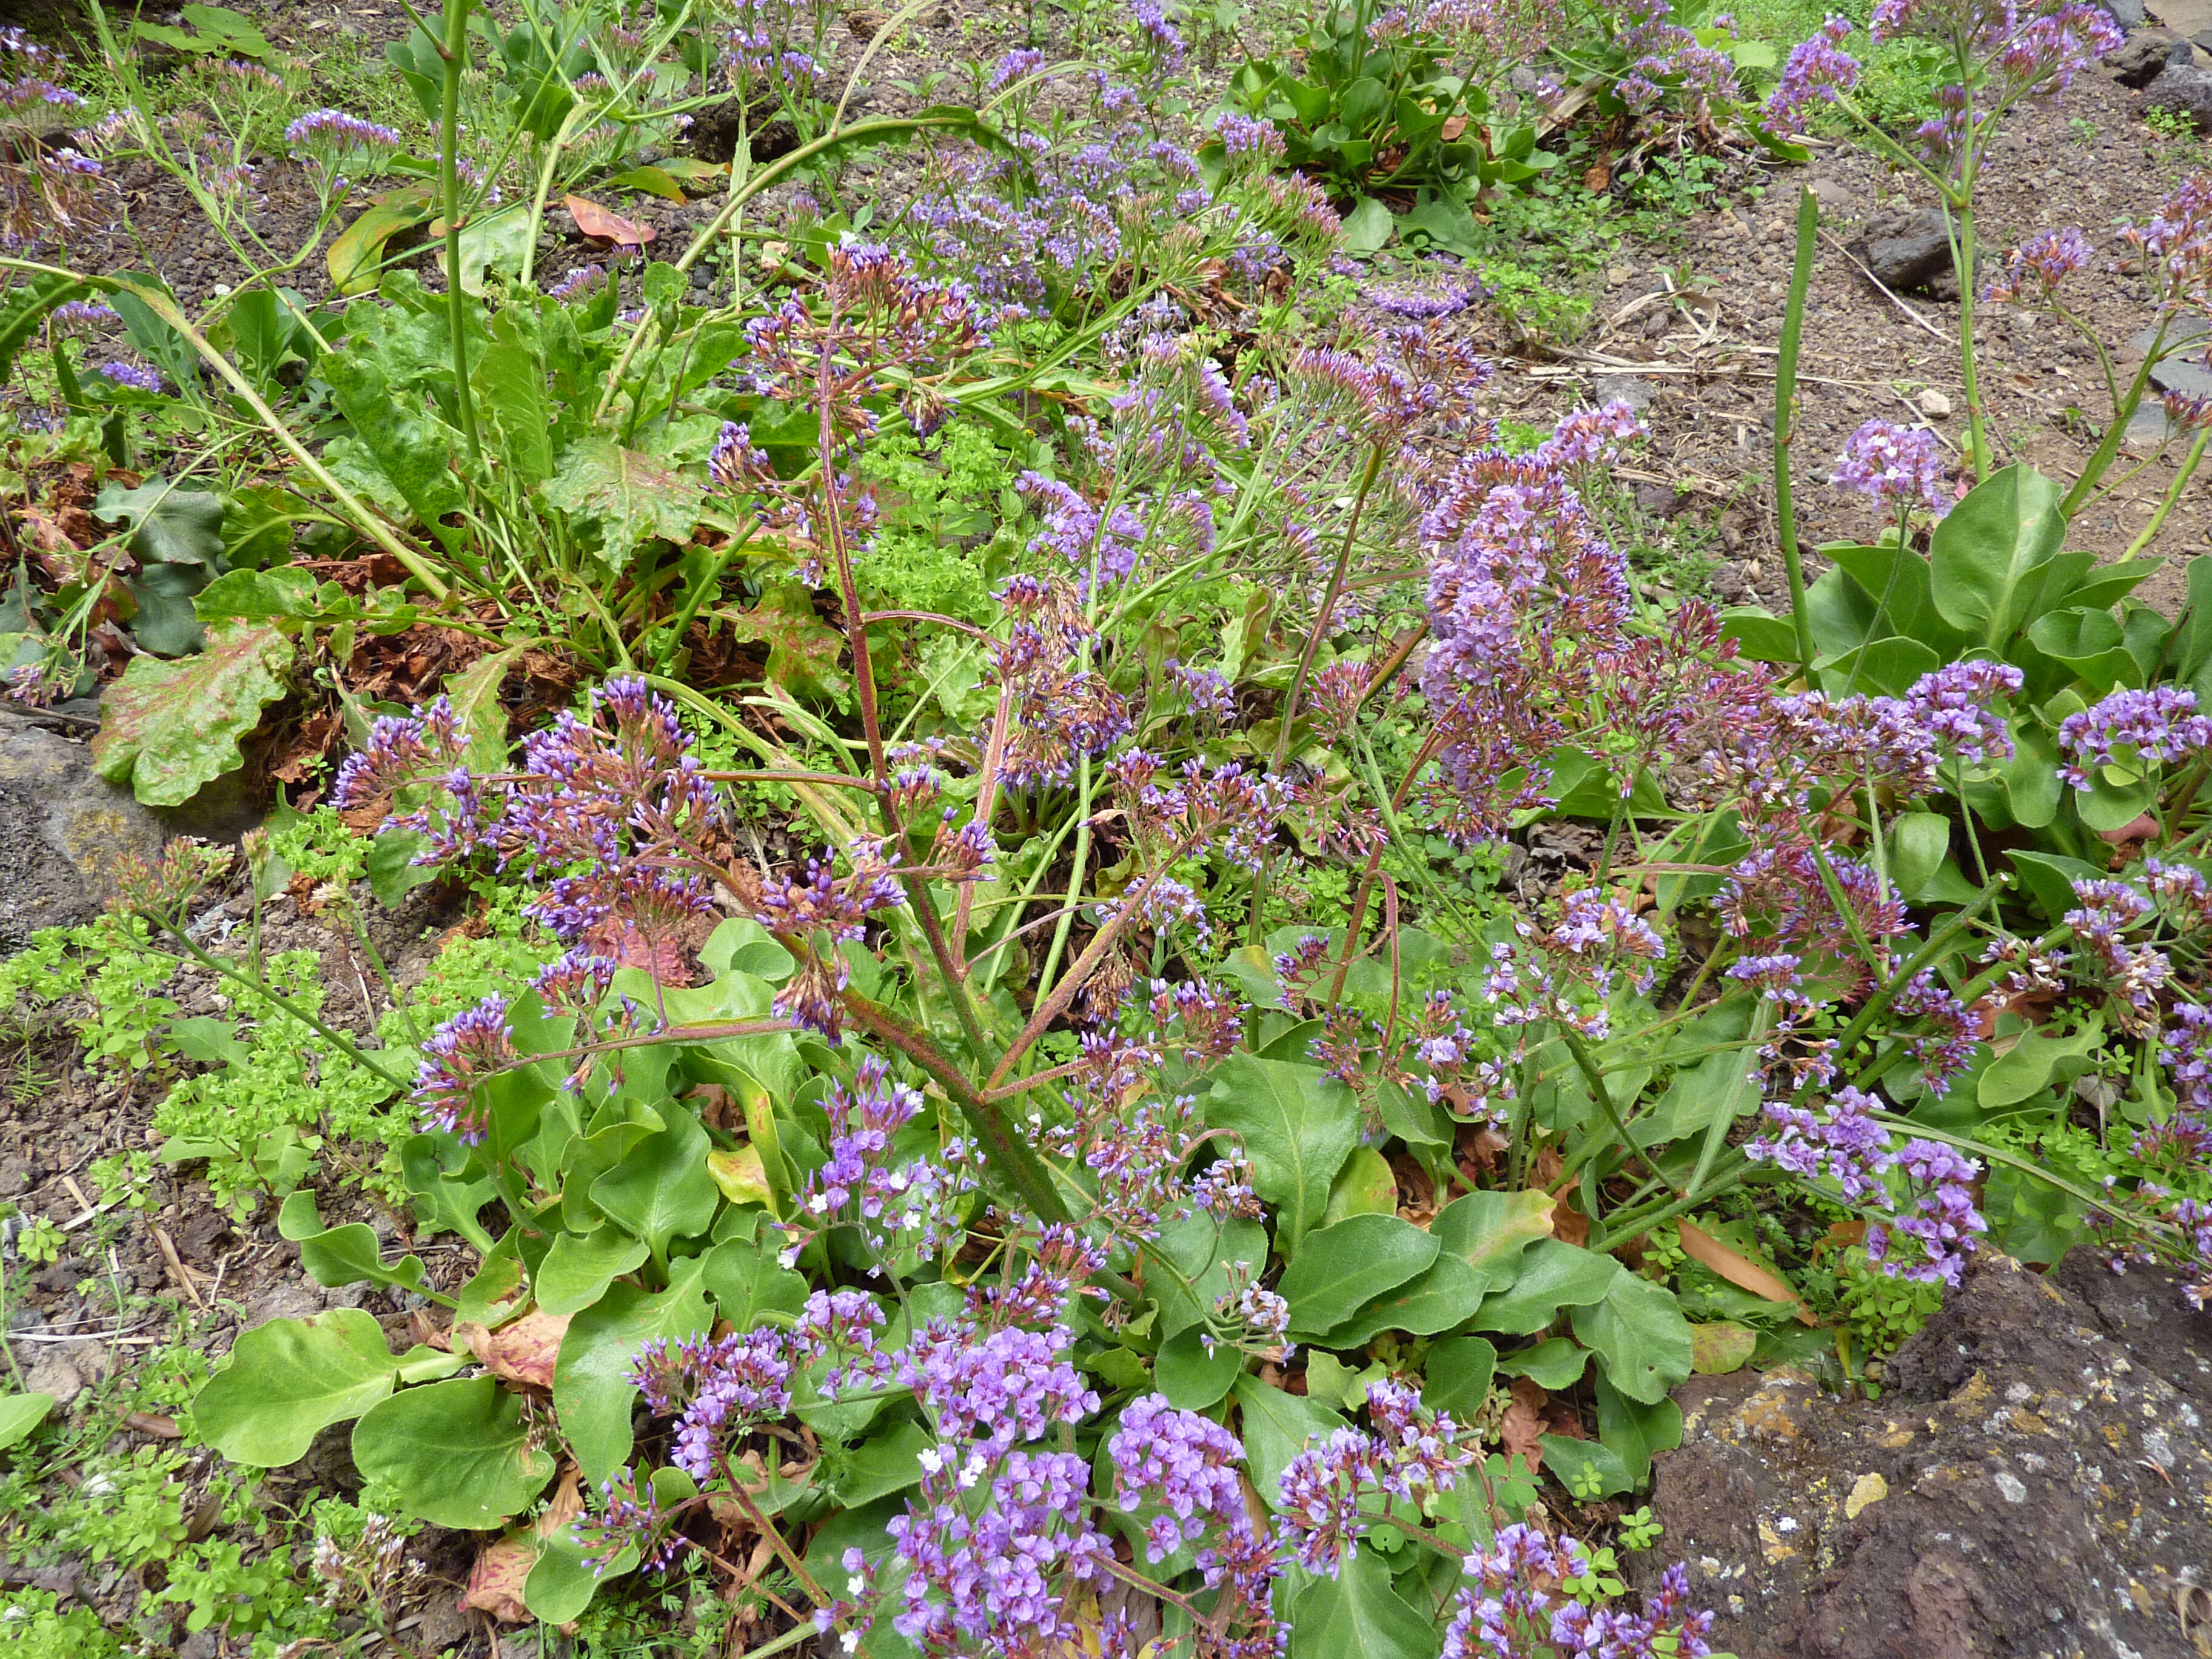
(128, 1511)
(1638, 1531)
(125, 1178)
(40, 1242)
(1601, 1583)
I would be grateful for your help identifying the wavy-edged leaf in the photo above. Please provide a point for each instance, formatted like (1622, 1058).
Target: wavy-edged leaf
(1298, 1124)
(1341, 1267)
(169, 728)
(459, 1453)
(290, 1379)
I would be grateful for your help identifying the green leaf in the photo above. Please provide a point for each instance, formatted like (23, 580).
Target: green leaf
(889, 1460)
(391, 867)
(1557, 1362)
(167, 728)
(1986, 555)
(1445, 1295)
(1458, 1375)
(630, 498)
(592, 1389)
(459, 1453)
(747, 1282)
(1919, 842)
(1636, 1430)
(2035, 1062)
(1203, 1251)
(1761, 636)
(1588, 1469)
(1888, 665)
(23, 312)
(803, 650)
(169, 526)
(1720, 1346)
(1490, 1230)
(1365, 1186)
(510, 383)
(1900, 583)
(473, 694)
(495, 240)
(342, 1256)
(1276, 1428)
(1192, 1379)
(356, 258)
(1639, 1330)
(562, 1584)
(19, 1414)
(1367, 230)
(1298, 1124)
(1342, 1266)
(392, 437)
(1360, 1614)
(290, 1379)
(661, 1190)
(578, 1269)
(1552, 1276)
(2091, 644)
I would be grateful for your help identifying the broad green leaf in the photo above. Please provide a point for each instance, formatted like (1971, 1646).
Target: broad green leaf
(473, 694)
(169, 728)
(1900, 583)
(1557, 1362)
(1360, 1614)
(562, 1584)
(2091, 644)
(1199, 1249)
(661, 1190)
(342, 1256)
(1342, 1268)
(592, 1389)
(392, 437)
(1888, 665)
(19, 1414)
(747, 1282)
(1759, 634)
(1636, 1430)
(1840, 612)
(631, 498)
(168, 524)
(1365, 1186)
(1919, 842)
(803, 650)
(290, 1379)
(1986, 556)
(1490, 1230)
(1552, 1276)
(2107, 805)
(1720, 1346)
(1298, 1124)
(1588, 1469)
(495, 240)
(2192, 646)
(1367, 227)
(459, 1453)
(1276, 1427)
(1194, 1379)
(578, 1269)
(1446, 1294)
(511, 382)
(1639, 1330)
(888, 1460)
(356, 258)
(2035, 1062)
(1457, 1376)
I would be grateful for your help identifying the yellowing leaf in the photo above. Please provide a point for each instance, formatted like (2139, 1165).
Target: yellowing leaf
(599, 223)
(740, 1174)
(356, 258)
(1722, 1345)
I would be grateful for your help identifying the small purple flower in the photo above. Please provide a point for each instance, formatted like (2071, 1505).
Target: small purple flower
(2132, 728)
(134, 375)
(1895, 466)
(1818, 71)
(582, 280)
(461, 1053)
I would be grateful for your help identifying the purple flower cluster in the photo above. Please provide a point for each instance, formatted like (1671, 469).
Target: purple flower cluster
(2041, 264)
(1818, 72)
(1412, 1453)
(1007, 1388)
(1895, 467)
(1807, 739)
(2104, 913)
(2134, 729)
(718, 1388)
(897, 1206)
(1506, 1618)
(460, 1054)
(990, 1566)
(341, 149)
(579, 283)
(135, 375)
(1846, 1144)
(1605, 931)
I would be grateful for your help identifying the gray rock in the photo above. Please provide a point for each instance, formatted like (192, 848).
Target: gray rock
(51, 1372)
(2183, 89)
(2145, 56)
(1630, 389)
(2128, 14)
(2030, 1481)
(282, 1301)
(1907, 251)
(62, 830)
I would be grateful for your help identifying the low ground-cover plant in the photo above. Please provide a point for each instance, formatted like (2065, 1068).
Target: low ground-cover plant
(1139, 1151)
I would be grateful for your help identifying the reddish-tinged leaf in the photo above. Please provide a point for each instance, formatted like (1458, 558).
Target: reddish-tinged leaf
(602, 225)
(502, 1565)
(804, 651)
(522, 1350)
(169, 727)
(1523, 1427)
